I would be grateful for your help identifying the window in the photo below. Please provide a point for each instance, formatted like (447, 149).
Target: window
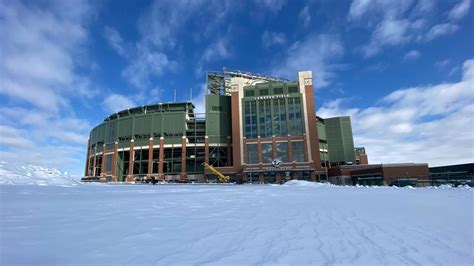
(295, 121)
(278, 90)
(250, 119)
(252, 153)
(263, 92)
(279, 118)
(292, 89)
(108, 163)
(282, 151)
(297, 151)
(249, 93)
(265, 118)
(267, 153)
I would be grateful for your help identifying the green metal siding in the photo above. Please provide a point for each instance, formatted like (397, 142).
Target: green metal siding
(218, 118)
(340, 140)
(167, 120)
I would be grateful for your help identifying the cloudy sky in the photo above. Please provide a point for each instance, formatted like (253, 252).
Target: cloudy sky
(403, 69)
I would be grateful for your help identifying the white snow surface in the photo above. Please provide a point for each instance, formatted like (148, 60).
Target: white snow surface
(299, 223)
(29, 174)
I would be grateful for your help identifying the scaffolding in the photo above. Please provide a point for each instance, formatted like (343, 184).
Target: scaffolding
(219, 82)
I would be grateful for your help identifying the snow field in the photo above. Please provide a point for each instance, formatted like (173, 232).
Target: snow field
(297, 223)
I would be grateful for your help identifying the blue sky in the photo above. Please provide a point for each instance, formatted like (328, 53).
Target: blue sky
(403, 69)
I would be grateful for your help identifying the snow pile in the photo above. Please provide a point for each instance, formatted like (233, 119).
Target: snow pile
(28, 174)
(303, 183)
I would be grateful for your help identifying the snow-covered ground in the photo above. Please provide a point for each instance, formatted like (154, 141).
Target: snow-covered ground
(298, 223)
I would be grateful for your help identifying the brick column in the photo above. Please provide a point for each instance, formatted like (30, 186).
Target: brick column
(236, 115)
(130, 162)
(290, 150)
(86, 172)
(259, 150)
(305, 147)
(273, 148)
(102, 168)
(312, 135)
(114, 163)
(261, 178)
(278, 177)
(150, 158)
(161, 158)
(294, 175)
(183, 158)
(229, 151)
(94, 161)
(313, 176)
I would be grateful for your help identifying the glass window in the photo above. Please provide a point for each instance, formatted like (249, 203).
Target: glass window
(282, 151)
(250, 119)
(278, 90)
(252, 153)
(265, 118)
(297, 151)
(267, 153)
(108, 163)
(263, 92)
(295, 120)
(279, 118)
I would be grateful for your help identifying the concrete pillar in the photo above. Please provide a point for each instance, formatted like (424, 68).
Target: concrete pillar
(86, 171)
(150, 158)
(183, 175)
(114, 163)
(161, 159)
(103, 172)
(130, 162)
(94, 162)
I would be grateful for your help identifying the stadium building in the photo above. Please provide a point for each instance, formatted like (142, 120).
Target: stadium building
(255, 128)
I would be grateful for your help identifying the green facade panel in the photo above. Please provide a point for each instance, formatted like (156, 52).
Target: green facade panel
(218, 118)
(340, 140)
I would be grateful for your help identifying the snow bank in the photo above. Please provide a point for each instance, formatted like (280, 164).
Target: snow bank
(28, 174)
(302, 183)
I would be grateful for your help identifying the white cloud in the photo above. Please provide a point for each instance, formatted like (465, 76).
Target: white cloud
(270, 39)
(390, 9)
(439, 30)
(304, 16)
(460, 10)
(411, 55)
(115, 41)
(314, 53)
(43, 63)
(116, 102)
(388, 32)
(398, 22)
(431, 124)
(40, 50)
